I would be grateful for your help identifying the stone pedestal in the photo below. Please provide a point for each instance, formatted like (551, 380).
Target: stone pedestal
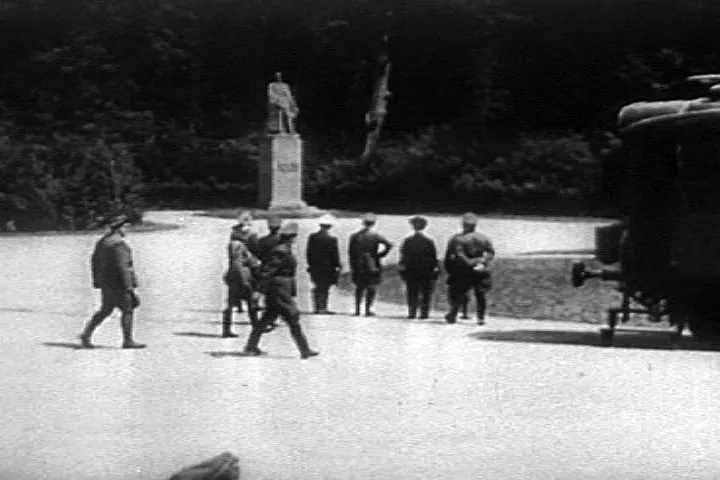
(280, 177)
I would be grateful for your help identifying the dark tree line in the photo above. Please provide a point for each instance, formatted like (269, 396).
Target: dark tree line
(502, 103)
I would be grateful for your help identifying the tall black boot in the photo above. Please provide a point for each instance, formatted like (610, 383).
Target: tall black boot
(317, 300)
(359, 293)
(369, 299)
(481, 307)
(324, 299)
(126, 321)
(300, 339)
(95, 321)
(251, 347)
(227, 324)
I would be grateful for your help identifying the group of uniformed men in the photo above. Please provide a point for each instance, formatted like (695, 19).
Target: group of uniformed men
(265, 268)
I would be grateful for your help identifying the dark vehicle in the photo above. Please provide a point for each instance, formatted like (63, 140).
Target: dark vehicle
(668, 245)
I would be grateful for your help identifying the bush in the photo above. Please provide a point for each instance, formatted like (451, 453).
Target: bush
(541, 173)
(66, 182)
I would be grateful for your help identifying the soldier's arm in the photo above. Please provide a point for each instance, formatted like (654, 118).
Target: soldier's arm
(270, 269)
(459, 253)
(385, 243)
(335, 252)
(123, 261)
(309, 252)
(352, 253)
(490, 251)
(403, 260)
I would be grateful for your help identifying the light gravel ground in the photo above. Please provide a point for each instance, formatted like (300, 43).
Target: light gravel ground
(387, 399)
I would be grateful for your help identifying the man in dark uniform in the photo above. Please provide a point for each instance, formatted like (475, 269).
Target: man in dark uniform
(267, 243)
(323, 259)
(277, 282)
(467, 261)
(114, 275)
(418, 268)
(365, 254)
(241, 278)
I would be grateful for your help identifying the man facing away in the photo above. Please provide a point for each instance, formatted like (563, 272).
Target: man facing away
(114, 275)
(278, 284)
(418, 268)
(467, 262)
(240, 278)
(323, 259)
(366, 250)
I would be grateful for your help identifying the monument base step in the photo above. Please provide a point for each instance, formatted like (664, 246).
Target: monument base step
(291, 211)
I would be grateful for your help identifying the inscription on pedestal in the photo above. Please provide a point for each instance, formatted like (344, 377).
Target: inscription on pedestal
(280, 173)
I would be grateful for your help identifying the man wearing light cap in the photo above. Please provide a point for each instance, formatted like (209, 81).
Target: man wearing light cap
(418, 268)
(467, 262)
(114, 275)
(366, 250)
(323, 259)
(277, 282)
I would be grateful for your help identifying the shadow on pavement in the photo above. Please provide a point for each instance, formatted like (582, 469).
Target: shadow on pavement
(660, 340)
(218, 322)
(242, 354)
(72, 346)
(198, 334)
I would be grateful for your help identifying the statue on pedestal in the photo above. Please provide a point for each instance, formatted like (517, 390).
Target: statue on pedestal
(282, 109)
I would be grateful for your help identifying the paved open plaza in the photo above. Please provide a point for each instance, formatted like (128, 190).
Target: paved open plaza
(388, 398)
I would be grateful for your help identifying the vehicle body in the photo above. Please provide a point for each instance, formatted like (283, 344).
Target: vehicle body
(668, 245)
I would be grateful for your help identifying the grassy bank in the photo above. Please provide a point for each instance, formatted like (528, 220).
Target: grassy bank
(523, 288)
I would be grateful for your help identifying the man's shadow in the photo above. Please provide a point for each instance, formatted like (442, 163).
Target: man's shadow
(623, 338)
(241, 354)
(74, 346)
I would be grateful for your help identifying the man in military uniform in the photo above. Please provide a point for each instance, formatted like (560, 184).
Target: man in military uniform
(267, 243)
(366, 250)
(277, 282)
(467, 261)
(323, 259)
(418, 268)
(114, 275)
(242, 231)
(240, 277)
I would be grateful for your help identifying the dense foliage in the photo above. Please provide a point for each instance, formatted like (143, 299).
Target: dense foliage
(176, 89)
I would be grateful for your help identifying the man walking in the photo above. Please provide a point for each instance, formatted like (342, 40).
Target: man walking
(240, 278)
(114, 275)
(323, 259)
(366, 250)
(418, 268)
(267, 243)
(278, 284)
(467, 261)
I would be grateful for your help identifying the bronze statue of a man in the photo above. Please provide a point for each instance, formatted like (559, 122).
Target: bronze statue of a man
(282, 109)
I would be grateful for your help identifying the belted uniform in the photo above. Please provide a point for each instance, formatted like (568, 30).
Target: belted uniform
(466, 261)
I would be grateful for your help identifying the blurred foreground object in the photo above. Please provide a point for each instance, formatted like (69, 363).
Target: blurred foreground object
(222, 467)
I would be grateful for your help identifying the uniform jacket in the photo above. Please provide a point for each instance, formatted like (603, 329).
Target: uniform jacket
(242, 264)
(465, 251)
(279, 271)
(112, 264)
(249, 239)
(364, 252)
(418, 257)
(323, 255)
(266, 245)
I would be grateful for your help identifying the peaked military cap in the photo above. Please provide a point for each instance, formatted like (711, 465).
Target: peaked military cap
(289, 229)
(418, 221)
(369, 218)
(274, 221)
(469, 219)
(117, 221)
